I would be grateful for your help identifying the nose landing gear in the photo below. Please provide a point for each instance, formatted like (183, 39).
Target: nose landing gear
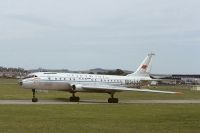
(34, 99)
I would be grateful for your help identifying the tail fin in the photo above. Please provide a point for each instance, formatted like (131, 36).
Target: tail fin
(145, 67)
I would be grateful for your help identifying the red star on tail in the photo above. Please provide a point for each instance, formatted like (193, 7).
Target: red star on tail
(144, 67)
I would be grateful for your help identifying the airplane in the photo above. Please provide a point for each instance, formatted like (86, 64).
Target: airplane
(75, 82)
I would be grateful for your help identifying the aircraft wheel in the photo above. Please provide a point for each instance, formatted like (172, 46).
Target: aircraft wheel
(74, 99)
(71, 99)
(34, 100)
(113, 100)
(109, 100)
(116, 100)
(77, 99)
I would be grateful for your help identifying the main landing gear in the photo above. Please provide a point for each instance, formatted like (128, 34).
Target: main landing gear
(73, 98)
(112, 99)
(34, 99)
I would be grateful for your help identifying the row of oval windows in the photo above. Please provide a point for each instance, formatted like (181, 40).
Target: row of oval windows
(74, 79)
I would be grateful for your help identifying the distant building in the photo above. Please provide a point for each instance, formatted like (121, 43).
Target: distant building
(188, 79)
(179, 78)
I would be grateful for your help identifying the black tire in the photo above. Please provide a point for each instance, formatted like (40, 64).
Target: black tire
(74, 99)
(71, 99)
(110, 100)
(34, 100)
(113, 100)
(77, 99)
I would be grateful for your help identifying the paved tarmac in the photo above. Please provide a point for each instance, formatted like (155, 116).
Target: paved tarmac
(59, 102)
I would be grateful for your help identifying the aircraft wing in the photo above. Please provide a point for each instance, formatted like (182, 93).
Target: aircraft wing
(120, 89)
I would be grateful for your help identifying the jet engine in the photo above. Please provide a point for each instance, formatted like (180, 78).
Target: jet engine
(76, 88)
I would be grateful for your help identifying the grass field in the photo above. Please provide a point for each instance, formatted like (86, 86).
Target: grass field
(134, 118)
(108, 118)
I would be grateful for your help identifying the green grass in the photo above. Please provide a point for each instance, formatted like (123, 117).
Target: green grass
(135, 118)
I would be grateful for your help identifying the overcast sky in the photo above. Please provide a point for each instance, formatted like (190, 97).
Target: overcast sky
(85, 34)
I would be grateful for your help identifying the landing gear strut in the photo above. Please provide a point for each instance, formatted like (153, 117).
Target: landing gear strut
(73, 98)
(112, 99)
(34, 99)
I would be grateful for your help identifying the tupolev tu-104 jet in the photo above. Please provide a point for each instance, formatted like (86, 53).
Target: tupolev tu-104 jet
(74, 82)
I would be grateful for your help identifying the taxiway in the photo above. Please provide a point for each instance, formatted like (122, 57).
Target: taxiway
(46, 102)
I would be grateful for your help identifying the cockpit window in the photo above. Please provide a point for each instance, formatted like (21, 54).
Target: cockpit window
(30, 76)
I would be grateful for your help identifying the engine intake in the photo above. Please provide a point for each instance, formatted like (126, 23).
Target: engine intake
(77, 87)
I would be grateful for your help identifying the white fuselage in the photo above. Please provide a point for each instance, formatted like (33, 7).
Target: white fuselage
(65, 81)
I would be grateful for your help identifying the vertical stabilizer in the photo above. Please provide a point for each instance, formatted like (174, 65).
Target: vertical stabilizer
(145, 67)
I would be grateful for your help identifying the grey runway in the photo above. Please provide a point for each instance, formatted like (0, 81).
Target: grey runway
(60, 102)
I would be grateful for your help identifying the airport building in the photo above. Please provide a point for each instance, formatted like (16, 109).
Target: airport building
(189, 79)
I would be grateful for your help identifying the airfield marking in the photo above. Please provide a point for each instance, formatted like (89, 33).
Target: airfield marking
(57, 102)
